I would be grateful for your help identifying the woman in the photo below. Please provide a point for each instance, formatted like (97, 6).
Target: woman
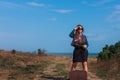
(80, 44)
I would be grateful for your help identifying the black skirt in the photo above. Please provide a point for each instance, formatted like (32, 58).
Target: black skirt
(80, 55)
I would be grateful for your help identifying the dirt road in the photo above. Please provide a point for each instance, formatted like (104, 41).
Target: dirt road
(59, 69)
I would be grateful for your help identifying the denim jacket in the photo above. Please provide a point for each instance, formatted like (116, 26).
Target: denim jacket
(72, 34)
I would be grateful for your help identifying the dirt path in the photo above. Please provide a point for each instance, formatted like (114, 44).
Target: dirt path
(50, 71)
(92, 76)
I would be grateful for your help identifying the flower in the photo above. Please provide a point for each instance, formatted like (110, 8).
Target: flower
(77, 43)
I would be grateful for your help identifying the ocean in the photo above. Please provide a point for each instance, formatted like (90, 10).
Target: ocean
(70, 54)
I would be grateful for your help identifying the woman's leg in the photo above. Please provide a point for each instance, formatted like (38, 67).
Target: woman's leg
(73, 66)
(85, 66)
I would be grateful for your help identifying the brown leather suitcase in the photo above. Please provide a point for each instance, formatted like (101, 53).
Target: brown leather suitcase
(78, 75)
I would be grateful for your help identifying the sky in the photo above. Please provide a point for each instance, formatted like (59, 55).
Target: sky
(29, 25)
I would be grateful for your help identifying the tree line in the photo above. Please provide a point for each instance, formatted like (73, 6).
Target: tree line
(109, 52)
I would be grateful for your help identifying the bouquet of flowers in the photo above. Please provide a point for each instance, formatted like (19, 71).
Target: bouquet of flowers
(77, 43)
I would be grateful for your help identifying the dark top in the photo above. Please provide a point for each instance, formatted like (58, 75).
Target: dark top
(72, 34)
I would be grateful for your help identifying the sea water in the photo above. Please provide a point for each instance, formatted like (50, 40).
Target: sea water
(70, 54)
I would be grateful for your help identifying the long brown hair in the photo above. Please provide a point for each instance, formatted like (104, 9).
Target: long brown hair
(77, 33)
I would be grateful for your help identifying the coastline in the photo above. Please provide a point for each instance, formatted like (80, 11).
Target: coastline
(70, 54)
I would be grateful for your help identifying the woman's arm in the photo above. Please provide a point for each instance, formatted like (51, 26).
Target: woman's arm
(72, 33)
(86, 43)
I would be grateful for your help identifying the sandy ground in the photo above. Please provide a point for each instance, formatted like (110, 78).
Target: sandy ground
(56, 68)
(50, 70)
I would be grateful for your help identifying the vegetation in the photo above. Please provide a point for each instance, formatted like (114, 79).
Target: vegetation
(61, 71)
(109, 52)
(41, 52)
(109, 62)
(13, 51)
(16, 65)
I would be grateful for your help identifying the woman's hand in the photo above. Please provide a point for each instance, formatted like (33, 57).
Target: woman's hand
(76, 28)
(85, 46)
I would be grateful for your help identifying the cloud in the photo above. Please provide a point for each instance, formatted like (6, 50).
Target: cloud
(115, 15)
(8, 4)
(63, 11)
(117, 7)
(100, 38)
(53, 19)
(35, 4)
(90, 35)
(93, 37)
(117, 26)
(96, 3)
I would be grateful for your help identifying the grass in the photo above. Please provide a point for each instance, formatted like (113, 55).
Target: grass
(60, 69)
(21, 66)
(108, 70)
(102, 73)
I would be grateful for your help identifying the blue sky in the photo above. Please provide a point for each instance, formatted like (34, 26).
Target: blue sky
(27, 25)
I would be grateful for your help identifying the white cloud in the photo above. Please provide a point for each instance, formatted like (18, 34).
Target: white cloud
(84, 2)
(100, 38)
(115, 15)
(97, 3)
(8, 4)
(90, 35)
(53, 19)
(118, 27)
(104, 2)
(117, 7)
(35, 4)
(63, 11)
(93, 37)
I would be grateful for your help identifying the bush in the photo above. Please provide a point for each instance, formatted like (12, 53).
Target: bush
(41, 52)
(109, 62)
(109, 52)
